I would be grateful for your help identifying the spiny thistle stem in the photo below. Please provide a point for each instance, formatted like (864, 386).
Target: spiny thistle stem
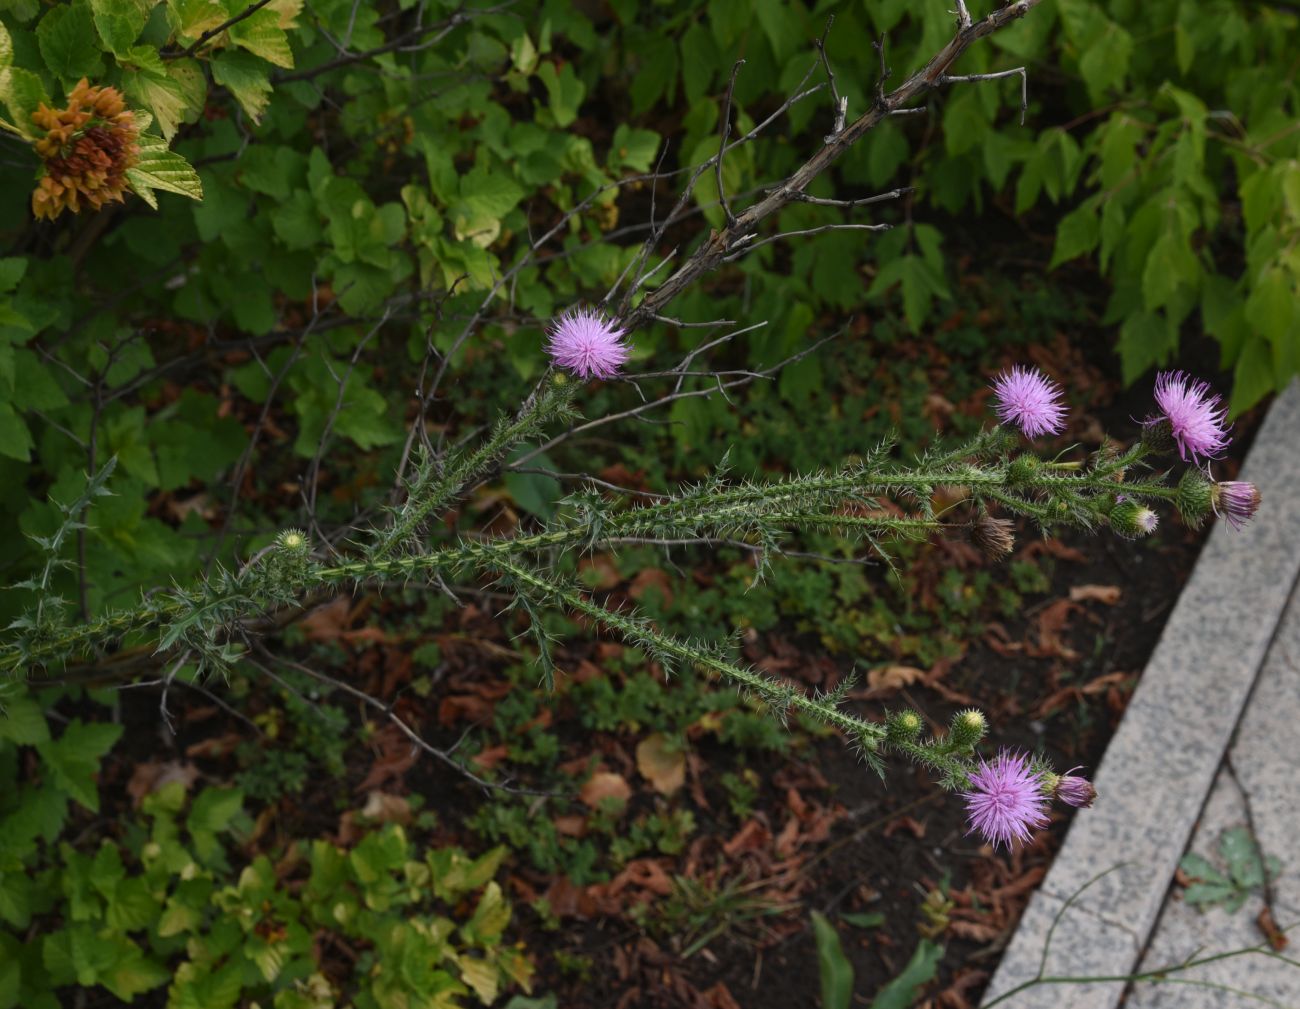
(433, 491)
(642, 634)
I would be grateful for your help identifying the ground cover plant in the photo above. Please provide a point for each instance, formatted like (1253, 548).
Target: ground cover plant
(411, 253)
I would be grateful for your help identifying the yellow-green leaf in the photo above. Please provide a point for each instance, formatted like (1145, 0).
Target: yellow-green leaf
(262, 36)
(159, 168)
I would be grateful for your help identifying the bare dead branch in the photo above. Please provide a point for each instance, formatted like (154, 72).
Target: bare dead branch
(712, 252)
(722, 142)
(999, 75)
(841, 102)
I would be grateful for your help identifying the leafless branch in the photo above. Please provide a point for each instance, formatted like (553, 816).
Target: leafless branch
(722, 142)
(841, 102)
(999, 75)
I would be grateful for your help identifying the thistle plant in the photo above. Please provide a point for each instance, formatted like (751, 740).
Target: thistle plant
(997, 478)
(996, 473)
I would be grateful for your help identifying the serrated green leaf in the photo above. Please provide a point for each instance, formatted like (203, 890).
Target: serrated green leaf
(15, 438)
(833, 967)
(120, 22)
(169, 91)
(262, 36)
(22, 92)
(246, 77)
(191, 18)
(159, 168)
(68, 43)
(74, 758)
(1078, 233)
(22, 721)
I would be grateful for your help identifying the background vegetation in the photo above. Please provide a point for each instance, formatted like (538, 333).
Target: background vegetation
(367, 173)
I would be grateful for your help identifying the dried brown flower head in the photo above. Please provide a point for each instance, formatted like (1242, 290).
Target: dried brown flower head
(87, 149)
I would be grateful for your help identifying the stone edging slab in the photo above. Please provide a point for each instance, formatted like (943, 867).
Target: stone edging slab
(1159, 767)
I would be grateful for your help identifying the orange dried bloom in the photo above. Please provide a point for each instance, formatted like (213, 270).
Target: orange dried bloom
(87, 149)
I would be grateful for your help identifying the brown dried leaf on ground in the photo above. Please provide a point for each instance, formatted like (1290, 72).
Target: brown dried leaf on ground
(152, 775)
(892, 678)
(662, 762)
(380, 807)
(1052, 624)
(1107, 594)
(1102, 684)
(395, 755)
(605, 785)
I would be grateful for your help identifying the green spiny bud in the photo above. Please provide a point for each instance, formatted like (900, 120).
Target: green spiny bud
(903, 726)
(1195, 498)
(1133, 520)
(293, 541)
(1022, 469)
(968, 728)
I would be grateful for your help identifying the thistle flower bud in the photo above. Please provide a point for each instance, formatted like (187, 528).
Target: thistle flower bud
(993, 536)
(903, 726)
(1235, 500)
(967, 728)
(1069, 788)
(293, 541)
(1022, 469)
(1195, 497)
(1133, 520)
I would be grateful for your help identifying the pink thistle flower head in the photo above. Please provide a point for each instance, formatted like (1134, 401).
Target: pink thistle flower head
(584, 342)
(1030, 400)
(1194, 413)
(1006, 799)
(1074, 790)
(1235, 500)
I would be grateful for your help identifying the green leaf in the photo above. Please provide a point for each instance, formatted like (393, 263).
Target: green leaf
(68, 42)
(246, 77)
(1241, 852)
(632, 148)
(22, 92)
(1078, 233)
(191, 18)
(74, 758)
(131, 973)
(22, 721)
(6, 47)
(1253, 376)
(901, 992)
(159, 168)
(262, 36)
(832, 965)
(535, 493)
(120, 21)
(868, 919)
(1271, 306)
(15, 438)
(564, 92)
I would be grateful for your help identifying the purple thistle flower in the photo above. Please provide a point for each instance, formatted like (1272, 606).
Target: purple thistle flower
(1028, 398)
(1074, 791)
(1006, 799)
(584, 342)
(1236, 501)
(1195, 415)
